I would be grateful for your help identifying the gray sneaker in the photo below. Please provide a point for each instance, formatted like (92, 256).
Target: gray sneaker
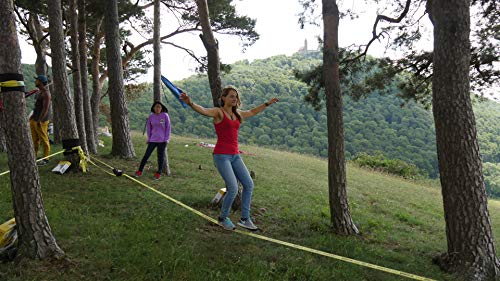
(226, 223)
(248, 224)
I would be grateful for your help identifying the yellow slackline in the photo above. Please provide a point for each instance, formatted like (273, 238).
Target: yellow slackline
(43, 158)
(83, 158)
(158, 192)
(291, 245)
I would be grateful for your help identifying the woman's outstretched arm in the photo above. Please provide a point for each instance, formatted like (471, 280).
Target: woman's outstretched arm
(211, 112)
(254, 111)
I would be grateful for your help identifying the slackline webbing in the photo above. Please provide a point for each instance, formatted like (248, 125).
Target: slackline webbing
(283, 243)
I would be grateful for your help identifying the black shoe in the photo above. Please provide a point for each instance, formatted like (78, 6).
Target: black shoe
(42, 162)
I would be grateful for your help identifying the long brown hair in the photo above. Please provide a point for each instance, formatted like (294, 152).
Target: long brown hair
(225, 92)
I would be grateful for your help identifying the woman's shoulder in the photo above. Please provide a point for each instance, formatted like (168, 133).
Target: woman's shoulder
(165, 116)
(219, 116)
(216, 109)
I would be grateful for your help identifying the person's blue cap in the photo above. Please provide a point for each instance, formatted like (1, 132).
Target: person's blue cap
(42, 79)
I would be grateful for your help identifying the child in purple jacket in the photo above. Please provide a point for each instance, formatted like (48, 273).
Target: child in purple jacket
(158, 128)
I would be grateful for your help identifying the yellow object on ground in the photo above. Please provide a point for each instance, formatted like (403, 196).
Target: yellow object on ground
(8, 240)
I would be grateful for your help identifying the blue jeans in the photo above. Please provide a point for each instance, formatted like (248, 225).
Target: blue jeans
(160, 150)
(232, 169)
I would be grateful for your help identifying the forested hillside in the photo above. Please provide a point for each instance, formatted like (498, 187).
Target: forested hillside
(376, 124)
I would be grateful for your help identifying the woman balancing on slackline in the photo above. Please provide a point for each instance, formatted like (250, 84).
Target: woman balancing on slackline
(227, 159)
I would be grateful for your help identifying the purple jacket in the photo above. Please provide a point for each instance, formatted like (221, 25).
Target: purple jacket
(158, 127)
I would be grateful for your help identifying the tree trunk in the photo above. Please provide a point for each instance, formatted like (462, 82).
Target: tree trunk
(166, 165)
(35, 236)
(157, 71)
(95, 100)
(56, 123)
(63, 104)
(87, 110)
(3, 141)
(122, 143)
(471, 247)
(212, 47)
(156, 52)
(39, 45)
(77, 81)
(339, 206)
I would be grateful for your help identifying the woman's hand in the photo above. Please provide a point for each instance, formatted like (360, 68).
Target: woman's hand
(271, 101)
(185, 98)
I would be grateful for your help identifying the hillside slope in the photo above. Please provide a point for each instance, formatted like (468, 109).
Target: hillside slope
(113, 229)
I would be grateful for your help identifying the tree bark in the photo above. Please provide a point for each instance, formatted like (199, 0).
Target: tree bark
(212, 47)
(166, 164)
(39, 44)
(471, 247)
(77, 81)
(63, 104)
(156, 52)
(3, 141)
(87, 110)
(35, 236)
(122, 142)
(95, 100)
(339, 207)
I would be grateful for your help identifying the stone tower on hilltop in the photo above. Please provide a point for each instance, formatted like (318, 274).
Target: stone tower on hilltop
(303, 50)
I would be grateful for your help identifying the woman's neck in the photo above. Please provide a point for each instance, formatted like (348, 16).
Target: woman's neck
(229, 111)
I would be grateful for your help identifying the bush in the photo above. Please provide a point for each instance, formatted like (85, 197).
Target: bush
(380, 163)
(492, 179)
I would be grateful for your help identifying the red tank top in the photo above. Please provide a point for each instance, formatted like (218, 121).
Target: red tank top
(227, 136)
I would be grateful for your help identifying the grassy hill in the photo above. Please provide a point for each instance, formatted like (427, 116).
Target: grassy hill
(114, 229)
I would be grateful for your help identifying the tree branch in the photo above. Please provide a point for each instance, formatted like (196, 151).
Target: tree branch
(24, 22)
(188, 8)
(190, 52)
(376, 36)
(134, 49)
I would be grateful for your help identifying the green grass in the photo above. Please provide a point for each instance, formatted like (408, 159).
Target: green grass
(113, 229)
